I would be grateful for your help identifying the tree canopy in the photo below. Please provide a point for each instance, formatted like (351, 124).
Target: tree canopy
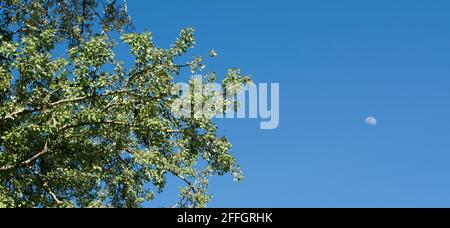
(81, 129)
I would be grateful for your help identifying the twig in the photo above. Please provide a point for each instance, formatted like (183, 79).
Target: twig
(191, 186)
(51, 193)
(47, 188)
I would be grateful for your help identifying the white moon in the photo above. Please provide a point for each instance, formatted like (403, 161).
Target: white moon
(372, 121)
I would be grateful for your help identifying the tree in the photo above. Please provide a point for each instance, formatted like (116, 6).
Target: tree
(71, 19)
(83, 130)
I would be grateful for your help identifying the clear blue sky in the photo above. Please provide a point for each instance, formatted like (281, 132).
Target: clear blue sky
(337, 62)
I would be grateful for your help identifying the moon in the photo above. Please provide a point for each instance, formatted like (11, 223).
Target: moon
(371, 121)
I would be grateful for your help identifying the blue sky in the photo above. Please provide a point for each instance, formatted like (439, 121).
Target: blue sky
(337, 63)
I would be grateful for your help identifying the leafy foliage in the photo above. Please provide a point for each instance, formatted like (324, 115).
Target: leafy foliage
(84, 131)
(71, 19)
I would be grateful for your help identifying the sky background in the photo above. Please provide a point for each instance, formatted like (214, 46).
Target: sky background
(337, 63)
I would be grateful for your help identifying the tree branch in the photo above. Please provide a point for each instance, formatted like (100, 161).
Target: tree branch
(181, 177)
(33, 159)
(51, 193)
(184, 179)
(47, 188)
(69, 126)
(87, 97)
(22, 111)
(29, 162)
(16, 113)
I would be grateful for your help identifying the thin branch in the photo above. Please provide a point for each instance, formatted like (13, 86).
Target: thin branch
(107, 122)
(33, 159)
(189, 183)
(125, 6)
(181, 177)
(184, 65)
(88, 97)
(29, 162)
(5, 168)
(70, 126)
(109, 105)
(22, 111)
(51, 193)
(16, 113)
(47, 188)
(49, 95)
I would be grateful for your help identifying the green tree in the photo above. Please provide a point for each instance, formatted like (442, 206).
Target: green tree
(83, 130)
(71, 19)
